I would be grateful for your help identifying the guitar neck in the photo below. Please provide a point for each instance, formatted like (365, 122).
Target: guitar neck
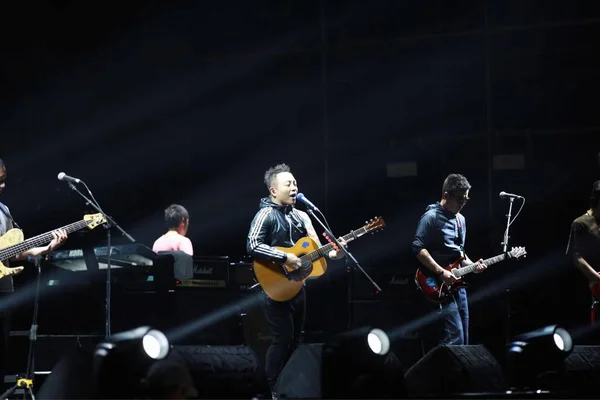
(40, 240)
(324, 250)
(471, 267)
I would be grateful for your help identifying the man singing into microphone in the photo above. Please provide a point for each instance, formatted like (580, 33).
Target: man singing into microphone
(439, 242)
(279, 224)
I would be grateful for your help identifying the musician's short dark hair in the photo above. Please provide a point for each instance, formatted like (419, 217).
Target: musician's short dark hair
(455, 184)
(595, 195)
(2, 165)
(272, 172)
(174, 214)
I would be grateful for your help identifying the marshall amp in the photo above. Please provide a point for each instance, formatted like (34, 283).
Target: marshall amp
(209, 273)
(394, 282)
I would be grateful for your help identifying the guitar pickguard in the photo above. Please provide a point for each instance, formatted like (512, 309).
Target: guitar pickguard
(299, 274)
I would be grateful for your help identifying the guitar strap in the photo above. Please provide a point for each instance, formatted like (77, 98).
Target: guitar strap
(460, 236)
(5, 211)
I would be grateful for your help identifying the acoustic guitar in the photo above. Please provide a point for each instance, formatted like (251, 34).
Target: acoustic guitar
(12, 244)
(438, 292)
(281, 282)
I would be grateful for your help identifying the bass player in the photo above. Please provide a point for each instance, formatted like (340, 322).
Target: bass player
(279, 224)
(439, 241)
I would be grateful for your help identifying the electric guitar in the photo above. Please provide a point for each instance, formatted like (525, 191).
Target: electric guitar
(12, 244)
(281, 282)
(595, 289)
(438, 292)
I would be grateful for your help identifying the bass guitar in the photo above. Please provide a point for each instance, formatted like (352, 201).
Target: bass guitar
(281, 282)
(438, 292)
(12, 244)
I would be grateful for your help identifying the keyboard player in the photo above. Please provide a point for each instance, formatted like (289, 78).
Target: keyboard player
(177, 221)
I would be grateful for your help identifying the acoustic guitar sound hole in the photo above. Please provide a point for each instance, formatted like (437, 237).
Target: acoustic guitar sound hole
(303, 272)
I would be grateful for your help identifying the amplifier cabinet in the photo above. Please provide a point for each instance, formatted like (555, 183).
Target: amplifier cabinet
(210, 272)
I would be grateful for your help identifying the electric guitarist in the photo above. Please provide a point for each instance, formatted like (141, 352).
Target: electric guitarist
(279, 224)
(584, 246)
(438, 242)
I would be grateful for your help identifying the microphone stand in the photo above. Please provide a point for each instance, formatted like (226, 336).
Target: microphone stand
(25, 381)
(504, 250)
(505, 240)
(108, 225)
(349, 256)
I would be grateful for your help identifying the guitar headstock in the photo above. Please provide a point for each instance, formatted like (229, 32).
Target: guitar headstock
(93, 220)
(517, 252)
(374, 224)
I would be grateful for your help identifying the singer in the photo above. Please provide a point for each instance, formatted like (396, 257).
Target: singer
(6, 282)
(584, 246)
(438, 242)
(279, 223)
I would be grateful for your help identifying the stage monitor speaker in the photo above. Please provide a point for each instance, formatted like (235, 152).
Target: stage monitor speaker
(301, 376)
(256, 332)
(72, 376)
(224, 372)
(49, 350)
(582, 371)
(305, 376)
(448, 370)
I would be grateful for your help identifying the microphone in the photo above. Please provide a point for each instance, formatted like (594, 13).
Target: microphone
(306, 201)
(64, 177)
(504, 195)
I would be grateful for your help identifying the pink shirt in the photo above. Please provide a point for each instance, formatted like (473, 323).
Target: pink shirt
(173, 242)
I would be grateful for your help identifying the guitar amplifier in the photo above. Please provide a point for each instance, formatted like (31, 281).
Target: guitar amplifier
(242, 276)
(394, 283)
(210, 272)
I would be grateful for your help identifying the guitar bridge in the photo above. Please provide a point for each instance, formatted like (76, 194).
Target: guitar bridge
(286, 272)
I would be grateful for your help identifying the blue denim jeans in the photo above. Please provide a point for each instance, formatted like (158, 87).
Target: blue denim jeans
(455, 317)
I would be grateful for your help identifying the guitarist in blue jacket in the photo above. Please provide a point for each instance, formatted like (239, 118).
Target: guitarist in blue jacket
(438, 242)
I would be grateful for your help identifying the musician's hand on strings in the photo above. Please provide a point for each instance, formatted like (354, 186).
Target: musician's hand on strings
(480, 266)
(337, 255)
(447, 277)
(293, 261)
(58, 239)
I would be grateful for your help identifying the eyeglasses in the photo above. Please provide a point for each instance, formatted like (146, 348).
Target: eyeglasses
(461, 199)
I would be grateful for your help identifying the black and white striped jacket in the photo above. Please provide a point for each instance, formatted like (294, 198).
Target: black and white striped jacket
(275, 225)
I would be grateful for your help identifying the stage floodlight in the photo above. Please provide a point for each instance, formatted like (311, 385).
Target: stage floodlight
(121, 361)
(534, 356)
(359, 363)
(378, 342)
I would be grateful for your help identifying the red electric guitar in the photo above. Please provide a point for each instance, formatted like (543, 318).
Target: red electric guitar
(595, 289)
(438, 292)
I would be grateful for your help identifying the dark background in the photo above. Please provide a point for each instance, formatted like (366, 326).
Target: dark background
(190, 102)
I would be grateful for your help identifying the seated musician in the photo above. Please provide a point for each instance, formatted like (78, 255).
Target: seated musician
(177, 220)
